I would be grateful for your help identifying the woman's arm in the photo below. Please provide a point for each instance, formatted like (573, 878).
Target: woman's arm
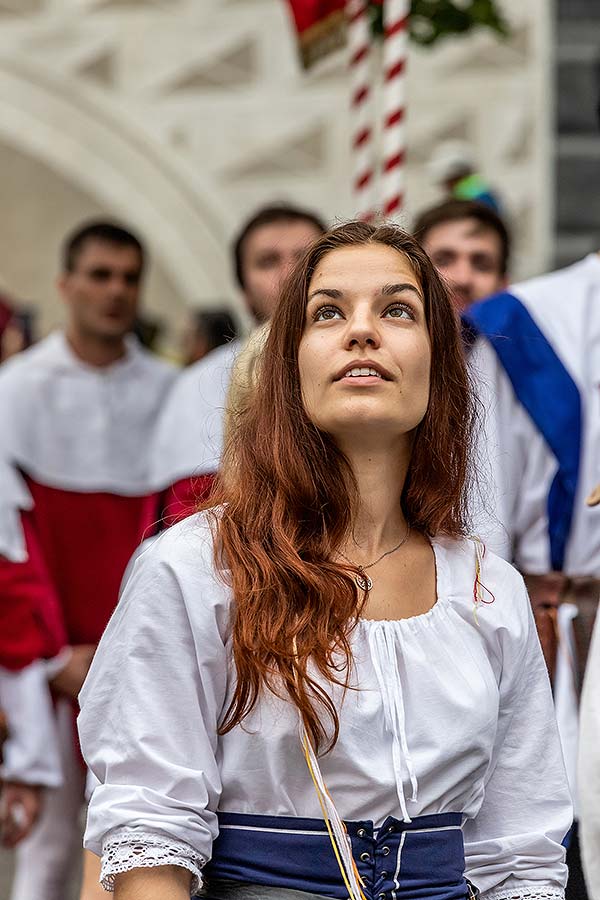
(91, 889)
(150, 709)
(513, 846)
(162, 883)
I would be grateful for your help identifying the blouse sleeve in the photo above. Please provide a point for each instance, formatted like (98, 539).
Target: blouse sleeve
(150, 710)
(513, 846)
(30, 754)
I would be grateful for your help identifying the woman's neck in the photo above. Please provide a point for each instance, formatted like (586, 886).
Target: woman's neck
(380, 473)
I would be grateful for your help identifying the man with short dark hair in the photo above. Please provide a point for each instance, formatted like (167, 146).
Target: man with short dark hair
(78, 410)
(189, 436)
(103, 233)
(265, 250)
(469, 245)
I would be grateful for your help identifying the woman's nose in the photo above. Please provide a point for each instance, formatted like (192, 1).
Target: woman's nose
(362, 330)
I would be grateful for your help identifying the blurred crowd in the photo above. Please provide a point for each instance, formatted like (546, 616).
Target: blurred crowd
(104, 444)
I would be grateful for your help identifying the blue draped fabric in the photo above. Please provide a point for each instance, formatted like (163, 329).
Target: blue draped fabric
(549, 394)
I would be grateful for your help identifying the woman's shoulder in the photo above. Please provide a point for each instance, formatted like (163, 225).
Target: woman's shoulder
(190, 542)
(473, 577)
(179, 564)
(462, 555)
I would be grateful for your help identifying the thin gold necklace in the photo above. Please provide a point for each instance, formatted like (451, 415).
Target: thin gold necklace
(363, 580)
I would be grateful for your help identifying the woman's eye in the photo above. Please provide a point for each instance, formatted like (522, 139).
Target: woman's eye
(399, 311)
(326, 313)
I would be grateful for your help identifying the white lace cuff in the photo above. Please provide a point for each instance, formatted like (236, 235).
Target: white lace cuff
(524, 892)
(125, 849)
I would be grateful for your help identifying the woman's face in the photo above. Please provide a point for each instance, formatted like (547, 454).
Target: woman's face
(365, 352)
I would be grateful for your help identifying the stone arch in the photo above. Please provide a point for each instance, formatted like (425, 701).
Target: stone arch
(104, 149)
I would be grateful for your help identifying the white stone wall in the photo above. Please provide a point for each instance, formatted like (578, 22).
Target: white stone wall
(183, 116)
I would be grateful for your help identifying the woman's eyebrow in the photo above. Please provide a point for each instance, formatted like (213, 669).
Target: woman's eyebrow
(389, 290)
(327, 292)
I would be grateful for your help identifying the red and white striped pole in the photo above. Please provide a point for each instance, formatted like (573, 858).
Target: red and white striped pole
(395, 51)
(359, 46)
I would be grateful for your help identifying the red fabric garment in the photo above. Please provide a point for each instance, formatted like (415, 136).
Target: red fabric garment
(183, 497)
(6, 312)
(31, 620)
(86, 540)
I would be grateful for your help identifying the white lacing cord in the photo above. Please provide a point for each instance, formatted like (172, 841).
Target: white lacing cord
(342, 846)
(340, 841)
(382, 644)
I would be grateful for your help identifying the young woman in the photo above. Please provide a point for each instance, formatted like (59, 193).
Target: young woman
(322, 687)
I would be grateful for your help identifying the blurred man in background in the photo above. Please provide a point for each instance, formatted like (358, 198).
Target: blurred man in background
(78, 410)
(537, 361)
(469, 245)
(189, 437)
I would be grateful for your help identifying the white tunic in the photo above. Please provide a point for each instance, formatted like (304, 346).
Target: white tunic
(79, 428)
(565, 305)
(479, 725)
(76, 427)
(189, 434)
(30, 754)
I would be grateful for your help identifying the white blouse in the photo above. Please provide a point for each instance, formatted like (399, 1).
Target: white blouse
(454, 714)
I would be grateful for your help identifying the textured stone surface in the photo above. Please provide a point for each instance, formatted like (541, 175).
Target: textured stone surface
(183, 117)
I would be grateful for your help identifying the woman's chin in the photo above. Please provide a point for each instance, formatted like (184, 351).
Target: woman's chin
(365, 426)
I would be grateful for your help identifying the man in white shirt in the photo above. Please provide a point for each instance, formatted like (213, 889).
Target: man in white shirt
(534, 353)
(538, 358)
(189, 435)
(78, 410)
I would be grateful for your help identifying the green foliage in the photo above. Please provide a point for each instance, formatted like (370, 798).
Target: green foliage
(433, 20)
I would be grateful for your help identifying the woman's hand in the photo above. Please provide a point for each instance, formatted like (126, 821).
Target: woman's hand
(20, 806)
(156, 883)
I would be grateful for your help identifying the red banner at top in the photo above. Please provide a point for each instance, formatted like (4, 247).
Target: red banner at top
(308, 13)
(321, 27)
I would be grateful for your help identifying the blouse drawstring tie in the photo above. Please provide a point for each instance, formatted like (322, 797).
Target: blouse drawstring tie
(382, 646)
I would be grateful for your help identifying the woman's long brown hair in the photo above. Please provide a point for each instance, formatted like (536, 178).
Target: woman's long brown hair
(287, 498)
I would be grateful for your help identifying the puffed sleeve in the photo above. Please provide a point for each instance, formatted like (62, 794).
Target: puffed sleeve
(513, 846)
(150, 708)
